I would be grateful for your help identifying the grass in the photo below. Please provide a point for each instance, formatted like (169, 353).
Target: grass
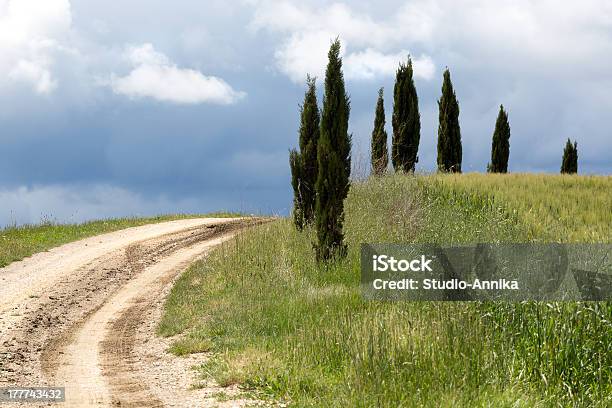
(568, 208)
(18, 242)
(280, 325)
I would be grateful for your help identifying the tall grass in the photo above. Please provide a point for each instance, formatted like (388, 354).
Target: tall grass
(559, 346)
(567, 208)
(277, 323)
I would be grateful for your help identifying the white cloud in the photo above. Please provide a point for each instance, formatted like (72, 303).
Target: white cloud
(304, 53)
(308, 33)
(31, 34)
(543, 36)
(370, 64)
(358, 29)
(146, 55)
(35, 74)
(155, 76)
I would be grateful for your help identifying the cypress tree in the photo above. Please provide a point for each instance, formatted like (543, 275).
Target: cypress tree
(500, 149)
(380, 158)
(334, 150)
(574, 168)
(295, 162)
(309, 138)
(449, 132)
(569, 162)
(304, 163)
(406, 120)
(565, 160)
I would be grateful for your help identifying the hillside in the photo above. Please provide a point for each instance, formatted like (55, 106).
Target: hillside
(284, 328)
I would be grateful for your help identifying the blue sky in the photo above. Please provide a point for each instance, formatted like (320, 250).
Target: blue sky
(145, 107)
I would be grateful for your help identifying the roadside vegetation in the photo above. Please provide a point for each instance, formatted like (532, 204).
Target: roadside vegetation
(290, 329)
(18, 242)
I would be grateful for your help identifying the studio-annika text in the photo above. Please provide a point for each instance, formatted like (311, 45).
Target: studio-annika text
(384, 263)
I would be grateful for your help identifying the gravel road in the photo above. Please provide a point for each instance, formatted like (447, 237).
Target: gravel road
(78, 315)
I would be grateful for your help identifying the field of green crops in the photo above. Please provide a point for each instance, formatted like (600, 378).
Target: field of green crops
(289, 330)
(565, 208)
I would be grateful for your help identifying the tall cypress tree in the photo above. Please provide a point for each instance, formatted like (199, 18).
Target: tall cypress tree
(449, 132)
(309, 138)
(569, 162)
(500, 149)
(406, 120)
(295, 162)
(567, 156)
(575, 159)
(380, 158)
(334, 150)
(304, 165)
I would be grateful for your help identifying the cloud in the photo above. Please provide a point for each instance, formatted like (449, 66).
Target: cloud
(304, 53)
(35, 74)
(510, 35)
(31, 35)
(370, 64)
(62, 203)
(543, 30)
(307, 33)
(155, 76)
(262, 164)
(358, 29)
(548, 62)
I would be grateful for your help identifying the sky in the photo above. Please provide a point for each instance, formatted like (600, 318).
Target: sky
(145, 107)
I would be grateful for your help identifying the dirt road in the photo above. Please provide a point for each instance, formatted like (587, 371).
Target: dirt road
(74, 316)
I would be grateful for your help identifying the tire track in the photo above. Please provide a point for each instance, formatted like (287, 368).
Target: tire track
(78, 330)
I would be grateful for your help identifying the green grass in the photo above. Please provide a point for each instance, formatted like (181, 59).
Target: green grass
(280, 325)
(19, 242)
(567, 208)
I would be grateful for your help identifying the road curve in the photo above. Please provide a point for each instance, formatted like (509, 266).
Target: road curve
(68, 317)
